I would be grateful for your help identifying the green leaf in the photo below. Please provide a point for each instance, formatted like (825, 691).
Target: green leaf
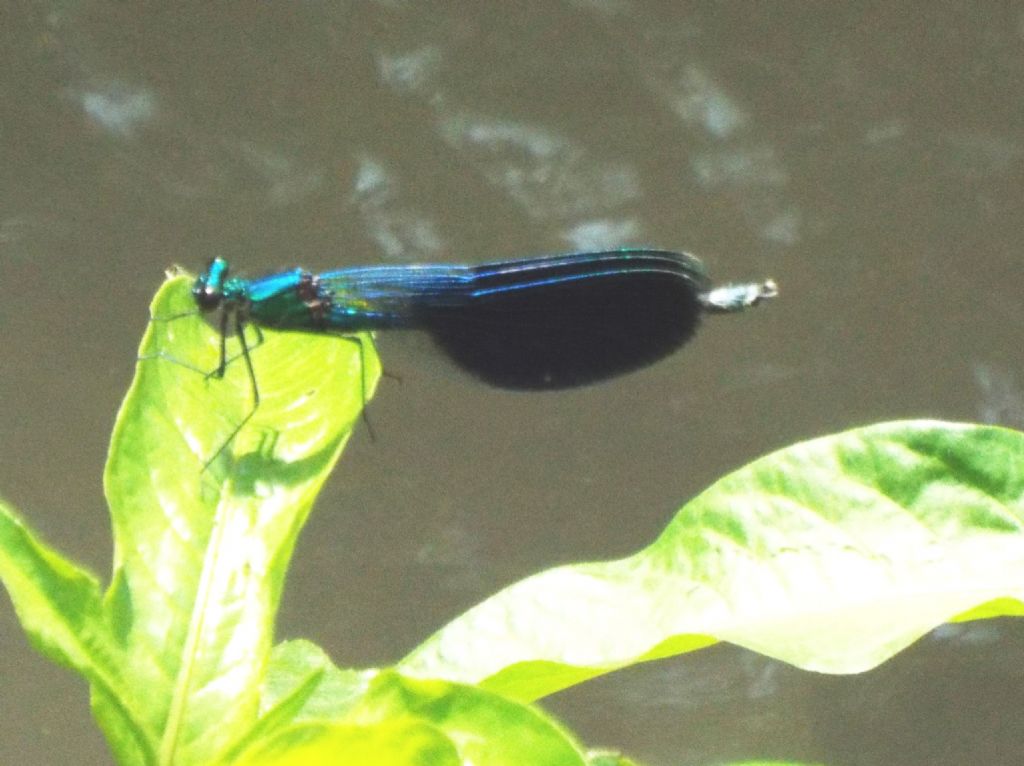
(486, 728)
(832, 555)
(200, 555)
(301, 686)
(58, 604)
(390, 743)
(405, 721)
(297, 666)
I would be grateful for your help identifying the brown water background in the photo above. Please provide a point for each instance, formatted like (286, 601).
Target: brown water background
(868, 156)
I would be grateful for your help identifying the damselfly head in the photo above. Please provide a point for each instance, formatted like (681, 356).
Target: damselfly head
(208, 289)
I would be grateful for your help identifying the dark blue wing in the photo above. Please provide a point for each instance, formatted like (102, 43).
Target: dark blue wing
(568, 320)
(534, 323)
